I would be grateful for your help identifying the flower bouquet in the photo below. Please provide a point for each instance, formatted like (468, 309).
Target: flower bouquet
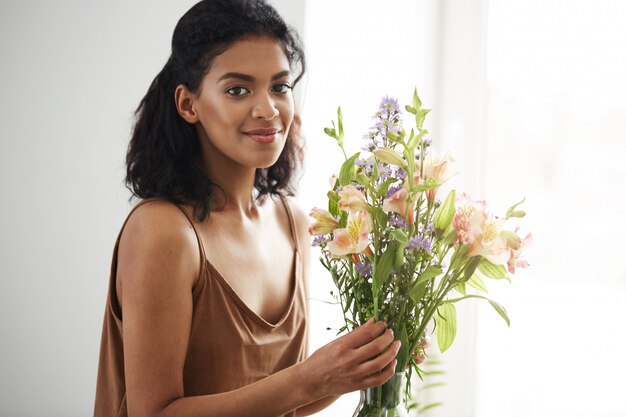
(398, 253)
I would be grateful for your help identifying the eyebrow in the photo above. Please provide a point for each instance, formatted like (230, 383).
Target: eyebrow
(246, 77)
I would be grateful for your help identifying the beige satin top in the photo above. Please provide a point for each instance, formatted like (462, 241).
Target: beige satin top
(230, 346)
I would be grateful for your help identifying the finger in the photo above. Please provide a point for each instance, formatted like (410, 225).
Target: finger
(374, 347)
(381, 361)
(381, 377)
(364, 333)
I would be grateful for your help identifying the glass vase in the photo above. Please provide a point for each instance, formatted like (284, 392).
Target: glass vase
(384, 400)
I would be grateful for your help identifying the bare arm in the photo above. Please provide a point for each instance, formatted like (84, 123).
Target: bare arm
(158, 264)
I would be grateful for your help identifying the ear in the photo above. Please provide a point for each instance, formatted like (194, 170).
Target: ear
(184, 104)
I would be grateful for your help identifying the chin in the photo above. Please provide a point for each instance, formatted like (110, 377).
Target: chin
(267, 164)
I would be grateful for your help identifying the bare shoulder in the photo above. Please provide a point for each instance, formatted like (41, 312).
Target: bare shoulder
(158, 238)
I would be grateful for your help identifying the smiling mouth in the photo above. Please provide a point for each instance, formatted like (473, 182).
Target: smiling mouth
(263, 135)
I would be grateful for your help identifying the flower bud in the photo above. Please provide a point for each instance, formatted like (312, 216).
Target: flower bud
(389, 156)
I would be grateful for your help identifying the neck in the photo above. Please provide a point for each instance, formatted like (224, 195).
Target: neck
(234, 195)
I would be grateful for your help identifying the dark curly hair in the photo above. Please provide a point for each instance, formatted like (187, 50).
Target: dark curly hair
(163, 158)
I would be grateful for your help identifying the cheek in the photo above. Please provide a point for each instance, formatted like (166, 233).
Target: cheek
(224, 115)
(287, 115)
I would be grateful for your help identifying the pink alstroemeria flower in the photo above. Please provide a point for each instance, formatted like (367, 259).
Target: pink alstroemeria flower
(469, 219)
(492, 244)
(397, 203)
(515, 252)
(324, 222)
(482, 233)
(351, 199)
(440, 168)
(354, 238)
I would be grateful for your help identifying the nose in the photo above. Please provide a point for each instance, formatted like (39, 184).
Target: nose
(265, 108)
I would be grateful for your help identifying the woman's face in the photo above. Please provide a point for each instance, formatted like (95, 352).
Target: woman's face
(245, 105)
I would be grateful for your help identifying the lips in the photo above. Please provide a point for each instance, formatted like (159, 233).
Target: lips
(267, 135)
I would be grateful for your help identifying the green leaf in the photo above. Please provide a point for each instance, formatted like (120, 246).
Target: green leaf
(340, 123)
(383, 268)
(450, 238)
(400, 255)
(471, 267)
(420, 117)
(384, 187)
(458, 254)
(417, 292)
(333, 198)
(516, 213)
(417, 103)
(476, 282)
(460, 287)
(413, 140)
(429, 184)
(362, 179)
(446, 326)
(403, 354)
(429, 406)
(380, 216)
(429, 273)
(343, 220)
(348, 171)
(513, 207)
(501, 311)
(399, 236)
(445, 213)
(490, 270)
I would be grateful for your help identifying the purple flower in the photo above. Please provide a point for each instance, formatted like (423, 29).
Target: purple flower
(364, 268)
(386, 119)
(393, 189)
(371, 141)
(319, 240)
(397, 221)
(418, 243)
(400, 174)
(365, 164)
(384, 172)
(389, 105)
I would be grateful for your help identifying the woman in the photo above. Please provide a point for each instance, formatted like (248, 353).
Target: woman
(206, 307)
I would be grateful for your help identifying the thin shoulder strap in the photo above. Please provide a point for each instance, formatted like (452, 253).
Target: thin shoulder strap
(292, 223)
(200, 245)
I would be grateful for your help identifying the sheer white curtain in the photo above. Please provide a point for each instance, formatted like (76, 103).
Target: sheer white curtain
(554, 133)
(529, 96)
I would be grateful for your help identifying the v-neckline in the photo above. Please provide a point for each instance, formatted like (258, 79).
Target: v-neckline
(295, 278)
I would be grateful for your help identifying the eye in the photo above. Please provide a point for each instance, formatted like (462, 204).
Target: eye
(237, 91)
(281, 88)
